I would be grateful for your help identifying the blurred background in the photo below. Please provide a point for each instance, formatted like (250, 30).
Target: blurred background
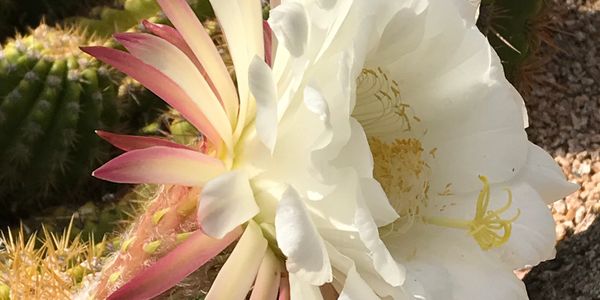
(53, 97)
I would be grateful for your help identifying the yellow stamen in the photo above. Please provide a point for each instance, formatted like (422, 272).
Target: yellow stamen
(487, 227)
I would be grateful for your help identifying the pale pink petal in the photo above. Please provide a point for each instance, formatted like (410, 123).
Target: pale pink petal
(237, 274)
(194, 252)
(159, 84)
(192, 31)
(133, 142)
(171, 61)
(161, 165)
(266, 285)
(174, 37)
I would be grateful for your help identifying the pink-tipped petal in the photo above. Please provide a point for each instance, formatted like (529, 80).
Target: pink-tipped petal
(267, 280)
(193, 253)
(173, 36)
(192, 31)
(134, 142)
(160, 84)
(161, 165)
(172, 62)
(284, 288)
(268, 42)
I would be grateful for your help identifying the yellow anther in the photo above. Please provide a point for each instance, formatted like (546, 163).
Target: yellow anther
(487, 227)
(157, 216)
(151, 247)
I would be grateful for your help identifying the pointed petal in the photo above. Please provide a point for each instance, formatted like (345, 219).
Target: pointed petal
(299, 240)
(226, 202)
(241, 266)
(266, 285)
(194, 252)
(161, 165)
(262, 86)
(543, 174)
(190, 28)
(134, 142)
(173, 36)
(158, 83)
(169, 60)
(241, 21)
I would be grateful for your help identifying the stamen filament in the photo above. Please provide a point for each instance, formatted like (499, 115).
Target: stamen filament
(487, 224)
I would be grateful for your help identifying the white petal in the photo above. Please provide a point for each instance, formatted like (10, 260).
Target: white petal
(300, 289)
(544, 175)
(533, 235)
(289, 24)
(262, 86)
(377, 201)
(226, 202)
(316, 103)
(354, 287)
(241, 266)
(299, 240)
(383, 261)
(241, 21)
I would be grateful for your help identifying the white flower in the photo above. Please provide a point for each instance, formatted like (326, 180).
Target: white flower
(429, 101)
(277, 160)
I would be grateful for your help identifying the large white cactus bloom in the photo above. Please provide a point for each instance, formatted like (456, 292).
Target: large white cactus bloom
(430, 105)
(277, 163)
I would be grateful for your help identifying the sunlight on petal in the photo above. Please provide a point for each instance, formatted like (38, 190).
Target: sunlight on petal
(190, 28)
(161, 165)
(226, 202)
(160, 84)
(169, 60)
(241, 266)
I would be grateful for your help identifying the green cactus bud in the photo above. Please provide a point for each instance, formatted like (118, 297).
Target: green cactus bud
(52, 98)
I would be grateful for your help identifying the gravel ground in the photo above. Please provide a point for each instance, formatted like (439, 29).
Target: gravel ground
(564, 112)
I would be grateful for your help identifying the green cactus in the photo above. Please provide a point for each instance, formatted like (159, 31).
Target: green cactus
(515, 28)
(106, 20)
(52, 98)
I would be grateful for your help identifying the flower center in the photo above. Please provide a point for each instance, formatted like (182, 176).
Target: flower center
(487, 227)
(404, 176)
(379, 107)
